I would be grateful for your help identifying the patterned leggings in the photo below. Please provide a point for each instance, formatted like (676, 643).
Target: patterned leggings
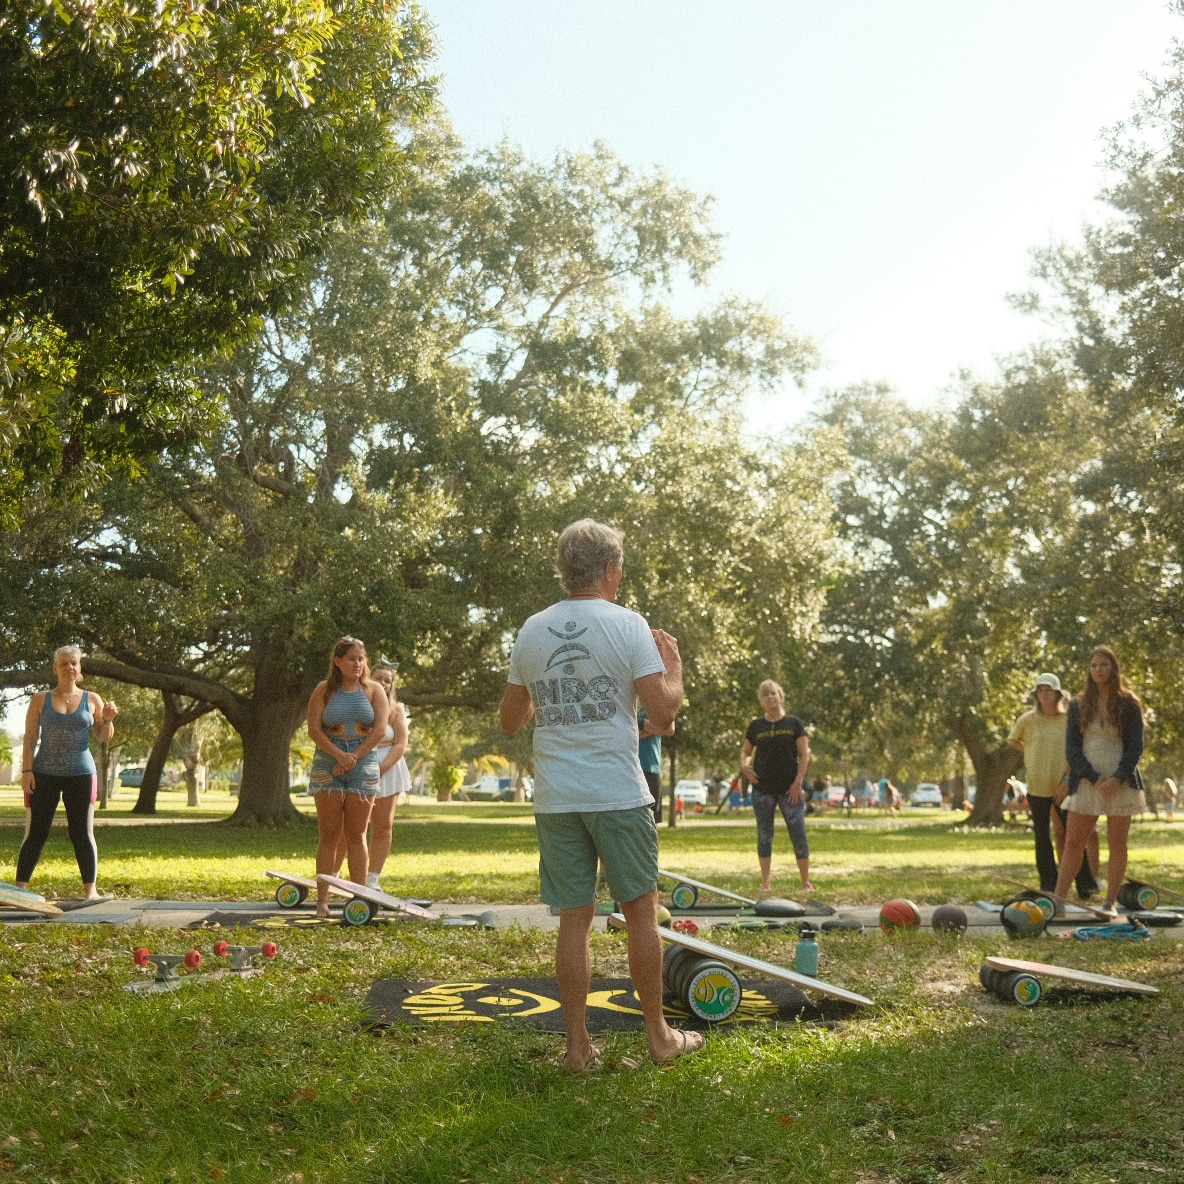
(765, 806)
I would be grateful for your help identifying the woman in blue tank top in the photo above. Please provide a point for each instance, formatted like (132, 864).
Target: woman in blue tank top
(344, 779)
(59, 723)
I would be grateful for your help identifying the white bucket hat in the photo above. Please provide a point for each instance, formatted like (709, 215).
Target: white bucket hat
(1048, 680)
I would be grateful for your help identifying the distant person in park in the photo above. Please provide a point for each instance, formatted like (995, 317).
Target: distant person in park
(849, 798)
(1170, 793)
(394, 778)
(344, 779)
(774, 757)
(889, 796)
(860, 788)
(649, 753)
(59, 723)
(578, 669)
(1103, 744)
(1040, 735)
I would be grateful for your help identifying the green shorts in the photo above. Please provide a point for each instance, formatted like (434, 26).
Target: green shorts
(572, 845)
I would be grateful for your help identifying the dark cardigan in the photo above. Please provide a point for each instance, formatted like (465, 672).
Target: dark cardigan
(1132, 747)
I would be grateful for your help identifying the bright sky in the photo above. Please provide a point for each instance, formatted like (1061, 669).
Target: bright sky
(881, 170)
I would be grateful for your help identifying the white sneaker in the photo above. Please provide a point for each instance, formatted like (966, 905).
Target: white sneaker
(372, 881)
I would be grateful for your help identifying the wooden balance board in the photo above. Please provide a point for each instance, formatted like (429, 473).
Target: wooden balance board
(735, 958)
(294, 890)
(32, 902)
(1069, 974)
(699, 886)
(374, 899)
(1161, 890)
(1069, 904)
(686, 893)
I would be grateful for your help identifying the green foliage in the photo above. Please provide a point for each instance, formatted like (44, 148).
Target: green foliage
(166, 173)
(398, 450)
(140, 715)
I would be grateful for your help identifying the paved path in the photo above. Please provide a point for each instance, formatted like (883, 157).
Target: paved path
(181, 913)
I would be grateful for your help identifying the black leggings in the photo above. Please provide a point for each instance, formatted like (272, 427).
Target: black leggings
(79, 795)
(654, 781)
(1046, 860)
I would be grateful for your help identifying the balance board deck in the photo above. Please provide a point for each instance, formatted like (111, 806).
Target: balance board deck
(1069, 905)
(373, 896)
(762, 967)
(22, 898)
(1085, 977)
(706, 887)
(305, 882)
(1162, 891)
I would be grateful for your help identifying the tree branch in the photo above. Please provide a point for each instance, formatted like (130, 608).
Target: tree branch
(426, 698)
(171, 678)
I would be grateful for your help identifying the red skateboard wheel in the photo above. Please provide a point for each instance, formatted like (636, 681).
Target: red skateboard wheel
(193, 958)
(141, 956)
(269, 949)
(220, 948)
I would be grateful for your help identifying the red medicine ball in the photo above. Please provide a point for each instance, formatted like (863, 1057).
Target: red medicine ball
(900, 914)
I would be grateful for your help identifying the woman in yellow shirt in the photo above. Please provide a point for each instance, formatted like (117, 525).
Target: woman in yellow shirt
(1040, 735)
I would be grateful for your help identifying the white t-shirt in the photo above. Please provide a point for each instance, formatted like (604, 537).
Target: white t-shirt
(579, 659)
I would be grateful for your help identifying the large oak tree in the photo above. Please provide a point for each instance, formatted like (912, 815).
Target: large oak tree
(396, 452)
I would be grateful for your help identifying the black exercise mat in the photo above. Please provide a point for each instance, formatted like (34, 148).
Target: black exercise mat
(612, 1005)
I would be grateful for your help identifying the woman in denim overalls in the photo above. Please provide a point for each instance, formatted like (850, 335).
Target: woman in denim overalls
(344, 780)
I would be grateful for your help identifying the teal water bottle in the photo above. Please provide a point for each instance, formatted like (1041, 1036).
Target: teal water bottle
(805, 958)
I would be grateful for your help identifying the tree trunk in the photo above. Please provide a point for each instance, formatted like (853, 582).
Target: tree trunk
(154, 767)
(992, 767)
(192, 794)
(958, 792)
(175, 717)
(672, 817)
(266, 728)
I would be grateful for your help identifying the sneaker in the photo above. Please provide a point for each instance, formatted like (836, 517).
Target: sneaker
(372, 881)
(1108, 909)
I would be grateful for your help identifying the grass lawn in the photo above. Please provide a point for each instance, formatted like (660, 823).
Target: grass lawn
(276, 1079)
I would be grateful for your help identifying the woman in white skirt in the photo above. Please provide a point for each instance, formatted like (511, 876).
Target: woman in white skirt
(393, 775)
(1103, 744)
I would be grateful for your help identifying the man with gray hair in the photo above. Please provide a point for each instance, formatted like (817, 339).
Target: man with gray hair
(578, 668)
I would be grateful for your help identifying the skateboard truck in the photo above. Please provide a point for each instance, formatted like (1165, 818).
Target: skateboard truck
(166, 964)
(241, 956)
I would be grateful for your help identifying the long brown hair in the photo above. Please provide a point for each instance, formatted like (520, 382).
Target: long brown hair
(1089, 701)
(393, 671)
(343, 647)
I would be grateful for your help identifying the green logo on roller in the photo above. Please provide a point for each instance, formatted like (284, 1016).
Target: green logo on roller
(1027, 991)
(714, 994)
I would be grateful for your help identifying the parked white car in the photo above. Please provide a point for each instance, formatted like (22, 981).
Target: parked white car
(694, 793)
(926, 794)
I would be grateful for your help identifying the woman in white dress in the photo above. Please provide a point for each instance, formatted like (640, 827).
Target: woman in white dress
(1103, 744)
(394, 778)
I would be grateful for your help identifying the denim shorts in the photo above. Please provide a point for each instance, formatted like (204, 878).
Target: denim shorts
(361, 779)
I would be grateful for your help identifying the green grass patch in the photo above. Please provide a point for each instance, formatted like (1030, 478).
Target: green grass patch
(277, 1079)
(467, 853)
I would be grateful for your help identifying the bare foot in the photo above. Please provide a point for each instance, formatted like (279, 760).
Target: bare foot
(576, 1061)
(807, 886)
(681, 1044)
(766, 886)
